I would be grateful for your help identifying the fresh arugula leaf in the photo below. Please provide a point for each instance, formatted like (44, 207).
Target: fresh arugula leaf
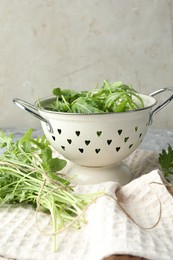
(166, 162)
(82, 105)
(5, 141)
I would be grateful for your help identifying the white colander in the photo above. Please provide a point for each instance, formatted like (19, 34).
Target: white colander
(96, 141)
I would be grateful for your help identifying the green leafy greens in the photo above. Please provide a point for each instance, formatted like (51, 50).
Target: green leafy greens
(29, 175)
(166, 162)
(111, 97)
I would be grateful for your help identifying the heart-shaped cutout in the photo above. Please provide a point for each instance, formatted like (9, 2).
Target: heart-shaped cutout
(99, 133)
(130, 146)
(97, 150)
(120, 131)
(69, 141)
(77, 133)
(126, 139)
(59, 131)
(109, 142)
(87, 142)
(63, 147)
(117, 149)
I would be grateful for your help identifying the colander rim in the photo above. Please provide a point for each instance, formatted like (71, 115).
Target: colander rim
(36, 104)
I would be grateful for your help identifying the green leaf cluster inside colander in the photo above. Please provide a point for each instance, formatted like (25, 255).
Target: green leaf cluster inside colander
(110, 97)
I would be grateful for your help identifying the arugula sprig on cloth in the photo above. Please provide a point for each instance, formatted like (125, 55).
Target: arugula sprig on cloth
(166, 162)
(29, 175)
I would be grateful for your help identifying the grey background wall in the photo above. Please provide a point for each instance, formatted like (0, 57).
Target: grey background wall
(79, 43)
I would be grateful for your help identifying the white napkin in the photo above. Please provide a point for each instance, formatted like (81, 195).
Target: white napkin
(109, 230)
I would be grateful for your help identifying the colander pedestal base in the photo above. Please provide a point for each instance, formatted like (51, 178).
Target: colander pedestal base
(93, 175)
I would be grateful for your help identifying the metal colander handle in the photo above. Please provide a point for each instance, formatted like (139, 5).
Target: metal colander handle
(33, 111)
(162, 105)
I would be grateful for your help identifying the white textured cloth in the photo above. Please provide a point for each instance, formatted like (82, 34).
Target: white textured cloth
(108, 230)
